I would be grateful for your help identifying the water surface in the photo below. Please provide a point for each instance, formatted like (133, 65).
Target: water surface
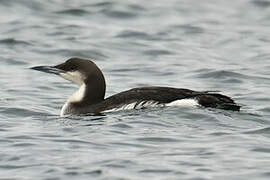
(201, 45)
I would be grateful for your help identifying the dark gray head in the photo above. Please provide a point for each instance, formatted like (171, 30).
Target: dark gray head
(82, 72)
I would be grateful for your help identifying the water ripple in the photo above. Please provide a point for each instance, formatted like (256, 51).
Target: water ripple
(74, 12)
(265, 130)
(12, 41)
(120, 14)
(157, 139)
(221, 74)
(261, 3)
(134, 34)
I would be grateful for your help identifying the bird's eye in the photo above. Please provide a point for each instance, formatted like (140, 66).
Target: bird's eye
(72, 68)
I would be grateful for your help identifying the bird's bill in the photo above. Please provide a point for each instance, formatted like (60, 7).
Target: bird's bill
(48, 69)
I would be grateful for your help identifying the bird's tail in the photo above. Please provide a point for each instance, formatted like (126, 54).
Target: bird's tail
(229, 106)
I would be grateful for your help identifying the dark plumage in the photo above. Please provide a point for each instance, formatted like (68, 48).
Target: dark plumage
(90, 97)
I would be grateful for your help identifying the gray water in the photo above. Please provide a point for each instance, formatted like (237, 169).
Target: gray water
(202, 45)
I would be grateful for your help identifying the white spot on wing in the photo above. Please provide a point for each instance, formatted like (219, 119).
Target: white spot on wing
(136, 105)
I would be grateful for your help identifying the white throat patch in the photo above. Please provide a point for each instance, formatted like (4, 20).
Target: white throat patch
(78, 95)
(75, 97)
(75, 77)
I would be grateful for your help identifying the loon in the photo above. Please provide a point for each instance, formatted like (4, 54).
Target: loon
(89, 99)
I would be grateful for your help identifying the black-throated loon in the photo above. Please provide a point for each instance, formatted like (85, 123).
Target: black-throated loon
(89, 99)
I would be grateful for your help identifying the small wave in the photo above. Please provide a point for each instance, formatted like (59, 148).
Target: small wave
(92, 54)
(10, 167)
(74, 12)
(12, 41)
(118, 14)
(133, 34)
(261, 150)
(261, 3)
(136, 7)
(157, 139)
(22, 112)
(23, 144)
(156, 171)
(219, 134)
(10, 61)
(189, 29)
(94, 172)
(220, 74)
(259, 131)
(157, 52)
(225, 74)
(122, 126)
(152, 124)
(103, 4)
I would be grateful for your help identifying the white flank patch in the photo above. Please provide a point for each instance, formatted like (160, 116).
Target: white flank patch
(184, 102)
(147, 104)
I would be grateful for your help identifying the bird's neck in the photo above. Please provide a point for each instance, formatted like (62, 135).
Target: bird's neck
(84, 97)
(88, 94)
